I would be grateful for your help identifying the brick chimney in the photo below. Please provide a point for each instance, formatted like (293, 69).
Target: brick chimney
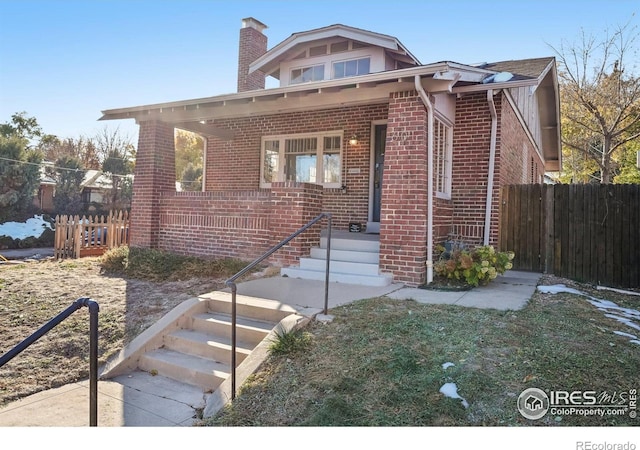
(253, 44)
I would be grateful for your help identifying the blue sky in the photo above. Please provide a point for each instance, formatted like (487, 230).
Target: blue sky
(64, 62)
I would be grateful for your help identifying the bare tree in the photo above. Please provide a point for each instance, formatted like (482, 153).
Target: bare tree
(117, 154)
(600, 98)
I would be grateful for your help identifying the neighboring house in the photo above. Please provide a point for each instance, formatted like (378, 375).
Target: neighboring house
(96, 187)
(358, 128)
(43, 199)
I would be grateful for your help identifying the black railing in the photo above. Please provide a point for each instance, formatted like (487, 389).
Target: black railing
(231, 282)
(93, 348)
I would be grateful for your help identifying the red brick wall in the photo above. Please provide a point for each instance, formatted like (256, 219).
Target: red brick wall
(403, 221)
(471, 142)
(215, 224)
(155, 174)
(235, 165)
(241, 224)
(442, 220)
(293, 206)
(520, 163)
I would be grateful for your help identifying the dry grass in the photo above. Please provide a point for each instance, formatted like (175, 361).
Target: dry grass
(379, 363)
(33, 293)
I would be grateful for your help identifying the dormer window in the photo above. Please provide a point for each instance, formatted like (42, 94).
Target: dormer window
(305, 74)
(351, 68)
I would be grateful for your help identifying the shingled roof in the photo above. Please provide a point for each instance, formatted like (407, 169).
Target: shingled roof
(522, 69)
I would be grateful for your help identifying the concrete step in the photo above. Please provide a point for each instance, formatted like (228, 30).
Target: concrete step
(346, 255)
(361, 243)
(366, 280)
(202, 372)
(250, 331)
(249, 307)
(215, 347)
(354, 268)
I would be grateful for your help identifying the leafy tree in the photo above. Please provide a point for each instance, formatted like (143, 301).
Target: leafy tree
(600, 103)
(69, 176)
(19, 178)
(629, 171)
(191, 178)
(21, 126)
(19, 167)
(82, 148)
(189, 153)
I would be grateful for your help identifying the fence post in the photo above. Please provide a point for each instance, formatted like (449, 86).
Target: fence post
(548, 208)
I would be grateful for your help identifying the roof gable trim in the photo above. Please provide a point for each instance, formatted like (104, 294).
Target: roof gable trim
(374, 39)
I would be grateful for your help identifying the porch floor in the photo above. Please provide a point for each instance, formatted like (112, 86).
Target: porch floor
(343, 234)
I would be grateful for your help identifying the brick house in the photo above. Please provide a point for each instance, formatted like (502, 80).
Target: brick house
(358, 128)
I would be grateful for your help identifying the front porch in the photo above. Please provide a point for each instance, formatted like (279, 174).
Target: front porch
(354, 259)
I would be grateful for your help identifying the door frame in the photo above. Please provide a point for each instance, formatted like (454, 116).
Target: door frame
(372, 162)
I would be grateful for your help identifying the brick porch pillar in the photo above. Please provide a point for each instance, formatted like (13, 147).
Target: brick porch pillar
(155, 172)
(403, 219)
(293, 205)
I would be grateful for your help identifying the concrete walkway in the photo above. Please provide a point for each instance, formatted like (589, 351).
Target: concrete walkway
(139, 399)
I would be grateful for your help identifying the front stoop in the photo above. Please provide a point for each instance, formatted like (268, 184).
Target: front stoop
(192, 343)
(354, 260)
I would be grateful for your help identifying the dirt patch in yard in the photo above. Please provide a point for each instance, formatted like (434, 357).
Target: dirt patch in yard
(33, 293)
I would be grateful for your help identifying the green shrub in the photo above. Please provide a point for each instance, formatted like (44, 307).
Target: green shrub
(475, 267)
(289, 342)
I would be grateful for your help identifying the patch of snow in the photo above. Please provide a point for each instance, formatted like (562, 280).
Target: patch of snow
(627, 316)
(624, 320)
(557, 289)
(635, 341)
(33, 227)
(622, 333)
(446, 365)
(621, 291)
(451, 390)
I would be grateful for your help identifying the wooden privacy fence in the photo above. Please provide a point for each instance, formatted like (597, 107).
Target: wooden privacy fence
(77, 236)
(588, 233)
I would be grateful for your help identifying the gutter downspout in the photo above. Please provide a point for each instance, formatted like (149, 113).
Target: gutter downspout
(492, 157)
(427, 103)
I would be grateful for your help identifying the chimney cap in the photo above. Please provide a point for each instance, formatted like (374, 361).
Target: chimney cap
(250, 22)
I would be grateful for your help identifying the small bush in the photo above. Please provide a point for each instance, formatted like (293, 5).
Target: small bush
(475, 267)
(289, 342)
(115, 260)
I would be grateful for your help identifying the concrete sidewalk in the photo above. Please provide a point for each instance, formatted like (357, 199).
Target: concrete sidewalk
(139, 399)
(15, 254)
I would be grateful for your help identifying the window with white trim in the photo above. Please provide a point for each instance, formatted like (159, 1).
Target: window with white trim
(308, 158)
(351, 68)
(306, 74)
(443, 150)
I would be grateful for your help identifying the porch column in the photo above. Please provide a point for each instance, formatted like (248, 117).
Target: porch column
(403, 218)
(155, 173)
(293, 205)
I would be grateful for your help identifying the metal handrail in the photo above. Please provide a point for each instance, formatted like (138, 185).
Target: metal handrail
(231, 283)
(93, 348)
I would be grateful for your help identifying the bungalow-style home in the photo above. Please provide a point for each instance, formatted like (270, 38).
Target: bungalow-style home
(406, 153)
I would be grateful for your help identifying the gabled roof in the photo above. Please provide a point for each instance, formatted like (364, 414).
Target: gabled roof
(95, 179)
(522, 68)
(270, 61)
